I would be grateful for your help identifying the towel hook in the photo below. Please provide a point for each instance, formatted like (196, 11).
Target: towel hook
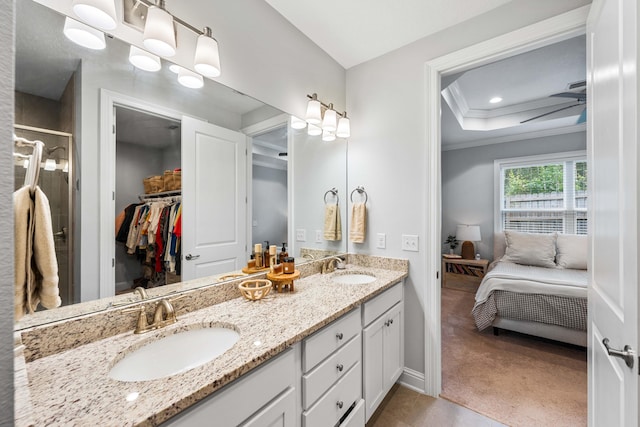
(333, 191)
(360, 190)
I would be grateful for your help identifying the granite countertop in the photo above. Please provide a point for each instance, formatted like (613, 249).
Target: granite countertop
(73, 388)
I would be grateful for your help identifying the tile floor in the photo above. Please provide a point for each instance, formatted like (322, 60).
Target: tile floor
(406, 408)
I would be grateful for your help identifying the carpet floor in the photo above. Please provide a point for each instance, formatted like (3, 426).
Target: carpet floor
(516, 379)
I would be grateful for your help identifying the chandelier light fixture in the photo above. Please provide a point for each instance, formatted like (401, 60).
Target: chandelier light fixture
(333, 124)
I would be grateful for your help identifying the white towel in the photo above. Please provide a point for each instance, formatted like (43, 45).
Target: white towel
(358, 226)
(332, 223)
(36, 266)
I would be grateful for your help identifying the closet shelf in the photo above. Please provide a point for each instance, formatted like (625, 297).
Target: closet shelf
(145, 197)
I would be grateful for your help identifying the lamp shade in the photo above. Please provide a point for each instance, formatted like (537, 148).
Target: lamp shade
(143, 59)
(50, 165)
(98, 13)
(314, 130)
(83, 35)
(314, 113)
(159, 35)
(190, 79)
(330, 122)
(297, 123)
(468, 233)
(328, 136)
(207, 57)
(344, 128)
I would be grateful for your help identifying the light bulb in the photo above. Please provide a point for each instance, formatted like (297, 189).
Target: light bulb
(159, 35)
(207, 57)
(329, 123)
(83, 35)
(344, 128)
(97, 13)
(143, 59)
(190, 79)
(314, 114)
(314, 130)
(297, 123)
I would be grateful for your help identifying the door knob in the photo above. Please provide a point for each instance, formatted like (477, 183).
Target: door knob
(339, 335)
(190, 257)
(339, 367)
(625, 354)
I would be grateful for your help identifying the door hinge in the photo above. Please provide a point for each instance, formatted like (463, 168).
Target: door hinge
(437, 274)
(114, 129)
(113, 262)
(113, 195)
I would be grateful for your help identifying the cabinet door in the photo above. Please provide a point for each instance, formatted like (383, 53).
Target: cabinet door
(374, 374)
(393, 358)
(279, 413)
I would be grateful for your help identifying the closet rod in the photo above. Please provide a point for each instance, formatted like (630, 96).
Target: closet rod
(160, 195)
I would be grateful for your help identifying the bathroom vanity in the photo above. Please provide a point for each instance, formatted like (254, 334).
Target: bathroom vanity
(332, 357)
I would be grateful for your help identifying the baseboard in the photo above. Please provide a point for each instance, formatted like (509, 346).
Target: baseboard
(413, 380)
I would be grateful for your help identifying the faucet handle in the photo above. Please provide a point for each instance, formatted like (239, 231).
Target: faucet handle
(143, 324)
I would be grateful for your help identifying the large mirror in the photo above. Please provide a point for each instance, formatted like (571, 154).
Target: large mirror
(114, 131)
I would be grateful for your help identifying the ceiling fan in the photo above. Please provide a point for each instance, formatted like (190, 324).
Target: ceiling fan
(580, 96)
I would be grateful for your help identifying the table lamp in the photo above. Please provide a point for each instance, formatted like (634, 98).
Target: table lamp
(468, 234)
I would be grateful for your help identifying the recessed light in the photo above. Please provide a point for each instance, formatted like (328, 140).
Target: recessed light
(495, 100)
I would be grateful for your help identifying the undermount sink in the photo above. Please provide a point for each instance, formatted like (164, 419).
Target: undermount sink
(174, 354)
(354, 279)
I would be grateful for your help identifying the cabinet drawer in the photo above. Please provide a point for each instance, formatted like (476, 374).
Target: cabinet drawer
(375, 307)
(317, 347)
(356, 417)
(333, 405)
(323, 376)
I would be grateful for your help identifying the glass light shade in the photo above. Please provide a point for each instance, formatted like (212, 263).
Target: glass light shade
(98, 13)
(83, 35)
(143, 59)
(26, 164)
(174, 68)
(159, 35)
(328, 136)
(190, 79)
(344, 128)
(314, 114)
(65, 168)
(207, 58)
(50, 165)
(330, 121)
(314, 130)
(468, 233)
(297, 123)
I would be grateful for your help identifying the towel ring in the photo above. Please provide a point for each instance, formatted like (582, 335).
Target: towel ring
(360, 190)
(333, 191)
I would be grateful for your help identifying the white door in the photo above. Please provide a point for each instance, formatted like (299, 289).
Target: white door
(214, 189)
(613, 222)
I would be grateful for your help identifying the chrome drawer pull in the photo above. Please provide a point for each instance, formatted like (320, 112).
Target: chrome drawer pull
(339, 335)
(340, 367)
(340, 404)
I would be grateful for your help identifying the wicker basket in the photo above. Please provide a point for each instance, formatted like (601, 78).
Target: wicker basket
(177, 179)
(172, 180)
(153, 184)
(255, 289)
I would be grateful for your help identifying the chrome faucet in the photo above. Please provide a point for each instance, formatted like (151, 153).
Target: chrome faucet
(330, 264)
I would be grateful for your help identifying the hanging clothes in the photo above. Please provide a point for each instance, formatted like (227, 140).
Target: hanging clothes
(35, 263)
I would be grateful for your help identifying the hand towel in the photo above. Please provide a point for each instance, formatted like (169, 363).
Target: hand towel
(332, 224)
(358, 227)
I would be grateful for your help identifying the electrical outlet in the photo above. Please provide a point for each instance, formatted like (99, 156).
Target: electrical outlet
(318, 236)
(381, 241)
(410, 242)
(301, 235)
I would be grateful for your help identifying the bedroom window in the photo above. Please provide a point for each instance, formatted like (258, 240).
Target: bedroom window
(542, 194)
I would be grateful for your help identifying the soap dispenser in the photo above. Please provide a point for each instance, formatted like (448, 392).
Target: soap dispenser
(283, 254)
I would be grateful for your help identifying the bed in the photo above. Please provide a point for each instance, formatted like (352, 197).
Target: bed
(537, 286)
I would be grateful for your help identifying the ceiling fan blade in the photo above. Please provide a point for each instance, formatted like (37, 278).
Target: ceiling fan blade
(550, 112)
(580, 96)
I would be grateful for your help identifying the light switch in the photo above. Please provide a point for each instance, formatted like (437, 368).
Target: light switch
(410, 242)
(318, 236)
(381, 241)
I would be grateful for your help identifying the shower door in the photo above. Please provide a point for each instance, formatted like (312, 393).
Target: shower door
(56, 181)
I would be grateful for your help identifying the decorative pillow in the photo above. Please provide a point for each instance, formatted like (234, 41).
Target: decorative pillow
(572, 251)
(530, 249)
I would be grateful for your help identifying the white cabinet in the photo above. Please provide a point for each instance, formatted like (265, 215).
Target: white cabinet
(265, 397)
(383, 343)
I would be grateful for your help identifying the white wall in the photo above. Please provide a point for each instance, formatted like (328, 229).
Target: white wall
(6, 213)
(468, 182)
(387, 155)
(269, 189)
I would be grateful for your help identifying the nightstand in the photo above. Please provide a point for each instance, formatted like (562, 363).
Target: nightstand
(463, 274)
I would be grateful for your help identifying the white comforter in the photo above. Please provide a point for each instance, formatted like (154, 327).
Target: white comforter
(511, 277)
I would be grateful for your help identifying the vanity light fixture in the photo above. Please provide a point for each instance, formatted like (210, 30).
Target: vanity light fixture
(297, 123)
(65, 168)
(97, 13)
(50, 165)
(83, 35)
(314, 130)
(207, 57)
(328, 136)
(174, 68)
(190, 79)
(144, 60)
(330, 123)
(159, 33)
